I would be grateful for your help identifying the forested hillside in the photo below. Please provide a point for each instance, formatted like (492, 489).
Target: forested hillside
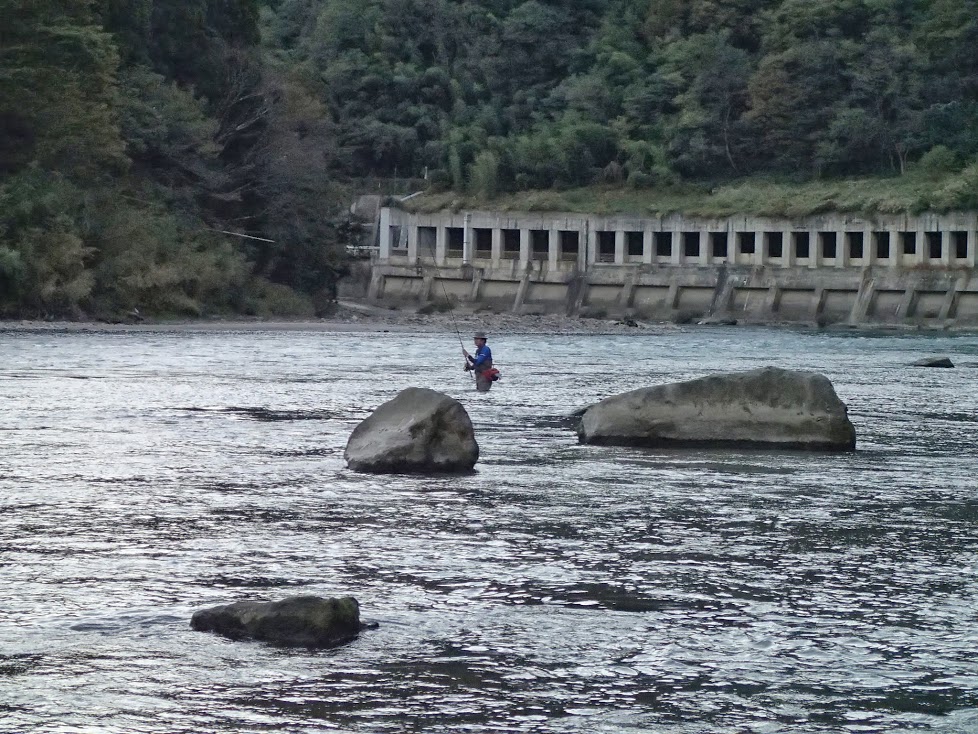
(504, 94)
(133, 132)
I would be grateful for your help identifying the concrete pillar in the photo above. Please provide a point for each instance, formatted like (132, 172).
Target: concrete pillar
(626, 296)
(896, 247)
(922, 245)
(869, 247)
(553, 249)
(948, 307)
(376, 288)
(648, 245)
(787, 248)
(772, 301)
(760, 251)
(441, 243)
(427, 284)
(497, 247)
(704, 240)
(582, 249)
(972, 248)
(818, 301)
(467, 244)
(384, 251)
(733, 247)
(591, 244)
(946, 247)
(841, 249)
(521, 291)
(905, 309)
(524, 247)
(678, 246)
(579, 298)
(412, 241)
(864, 297)
(619, 247)
(814, 249)
(672, 296)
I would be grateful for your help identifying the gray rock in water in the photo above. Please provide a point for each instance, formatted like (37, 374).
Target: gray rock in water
(419, 431)
(934, 362)
(299, 621)
(769, 407)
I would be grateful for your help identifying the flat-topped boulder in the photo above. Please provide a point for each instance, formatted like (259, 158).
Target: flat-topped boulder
(419, 431)
(942, 362)
(769, 407)
(299, 621)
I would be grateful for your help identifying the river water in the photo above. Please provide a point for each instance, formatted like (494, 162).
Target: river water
(560, 588)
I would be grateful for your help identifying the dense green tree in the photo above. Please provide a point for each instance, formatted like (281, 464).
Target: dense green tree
(706, 133)
(57, 88)
(184, 41)
(135, 135)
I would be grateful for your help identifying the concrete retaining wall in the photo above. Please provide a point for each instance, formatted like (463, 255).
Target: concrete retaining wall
(828, 268)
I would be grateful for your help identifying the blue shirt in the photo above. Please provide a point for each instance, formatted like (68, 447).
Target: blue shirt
(482, 355)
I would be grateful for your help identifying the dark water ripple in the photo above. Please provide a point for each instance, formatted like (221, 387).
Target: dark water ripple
(560, 588)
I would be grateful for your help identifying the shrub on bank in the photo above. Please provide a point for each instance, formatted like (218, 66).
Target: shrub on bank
(276, 300)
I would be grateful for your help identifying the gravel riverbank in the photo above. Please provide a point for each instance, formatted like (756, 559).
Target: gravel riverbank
(351, 316)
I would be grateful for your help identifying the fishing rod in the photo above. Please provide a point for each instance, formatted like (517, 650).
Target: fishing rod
(451, 312)
(448, 301)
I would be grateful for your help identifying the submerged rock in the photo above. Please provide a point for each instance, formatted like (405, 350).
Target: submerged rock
(299, 621)
(419, 431)
(768, 407)
(934, 362)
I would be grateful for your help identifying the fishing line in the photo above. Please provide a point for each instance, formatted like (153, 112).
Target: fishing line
(448, 301)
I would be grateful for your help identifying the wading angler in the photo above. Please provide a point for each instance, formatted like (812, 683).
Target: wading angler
(481, 363)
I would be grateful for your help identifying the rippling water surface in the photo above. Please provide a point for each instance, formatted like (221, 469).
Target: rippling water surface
(560, 588)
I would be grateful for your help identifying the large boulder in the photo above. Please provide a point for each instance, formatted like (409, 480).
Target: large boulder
(944, 362)
(768, 407)
(419, 431)
(300, 621)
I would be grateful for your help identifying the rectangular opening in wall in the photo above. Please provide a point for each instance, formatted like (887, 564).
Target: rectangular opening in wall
(746, 243)
(569, 245)
(908, 240)
(882, 242)
(483, 243)
(802, 245)
(718, 245)
(426, 242)
(775, 244)
(854, 245)
(539, 244)
(635, 245)
(933, 245)
(606, 247)
(663, 244)
(398, 237)
(456, 236)
(691, 244)
(959, 244)
(828, 243)
(511, 244)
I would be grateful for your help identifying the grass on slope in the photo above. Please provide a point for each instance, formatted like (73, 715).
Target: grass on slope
(912, 193)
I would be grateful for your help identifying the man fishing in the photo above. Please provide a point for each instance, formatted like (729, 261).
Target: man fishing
(481, 363)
